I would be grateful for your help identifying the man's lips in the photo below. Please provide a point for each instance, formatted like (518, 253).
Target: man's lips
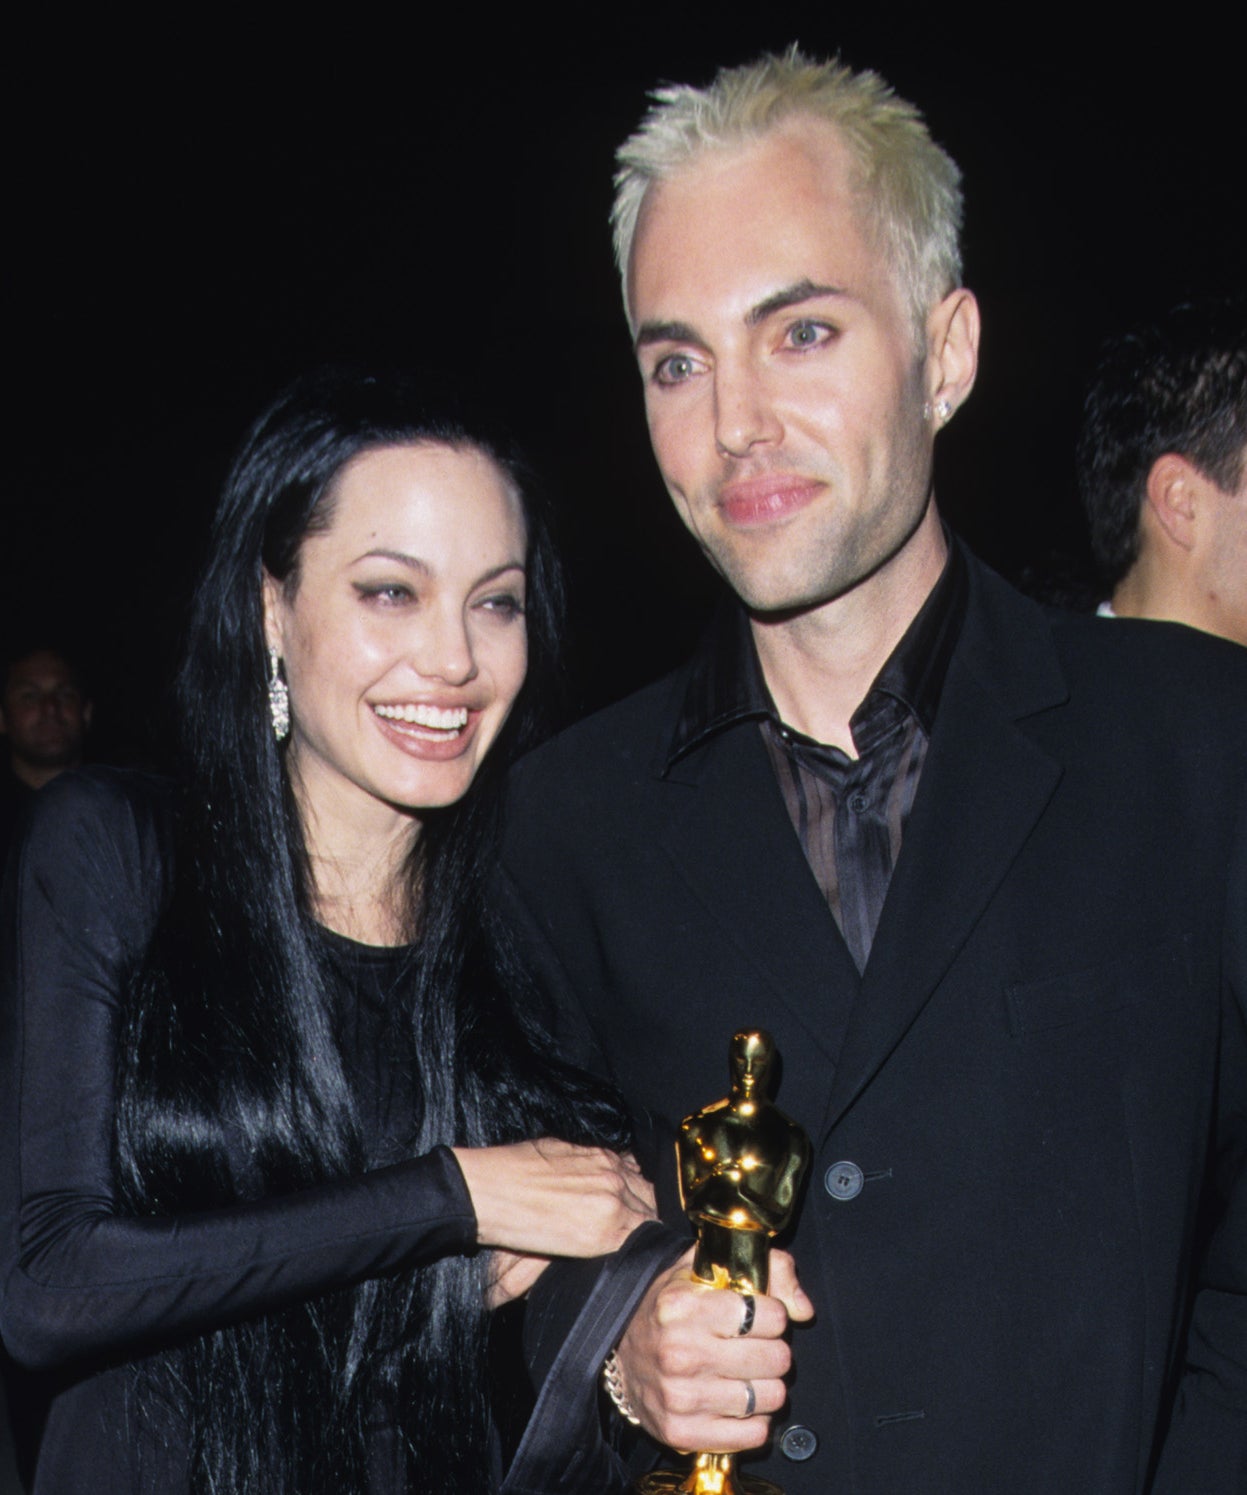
(766, 499)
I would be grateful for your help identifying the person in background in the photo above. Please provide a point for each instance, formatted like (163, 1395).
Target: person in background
(44, 716)
(1162, 468)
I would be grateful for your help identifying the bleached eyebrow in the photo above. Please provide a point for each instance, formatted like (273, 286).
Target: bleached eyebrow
(794, 295)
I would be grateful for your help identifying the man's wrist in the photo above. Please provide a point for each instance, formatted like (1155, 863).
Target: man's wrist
(613, 1385)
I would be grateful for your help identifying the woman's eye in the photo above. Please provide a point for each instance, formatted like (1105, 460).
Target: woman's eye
(388, 593)
(504, 604)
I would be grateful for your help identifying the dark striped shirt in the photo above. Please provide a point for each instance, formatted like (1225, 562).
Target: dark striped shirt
(849, 813)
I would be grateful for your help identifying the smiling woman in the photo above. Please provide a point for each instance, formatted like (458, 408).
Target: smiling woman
(402, 641)
(275, 1073)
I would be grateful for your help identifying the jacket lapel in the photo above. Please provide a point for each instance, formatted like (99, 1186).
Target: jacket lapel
(984, 785)
(734, 846)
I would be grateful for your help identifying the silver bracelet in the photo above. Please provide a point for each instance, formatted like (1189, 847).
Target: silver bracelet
(612, 1382)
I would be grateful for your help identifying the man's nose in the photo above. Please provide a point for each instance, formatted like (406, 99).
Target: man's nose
(744, 415)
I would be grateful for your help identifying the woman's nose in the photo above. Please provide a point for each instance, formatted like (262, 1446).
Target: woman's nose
(443, 650)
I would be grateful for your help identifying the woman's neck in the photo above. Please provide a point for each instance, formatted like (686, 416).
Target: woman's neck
(358, 850)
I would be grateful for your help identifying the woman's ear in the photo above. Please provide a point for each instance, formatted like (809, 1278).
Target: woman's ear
(274, 609)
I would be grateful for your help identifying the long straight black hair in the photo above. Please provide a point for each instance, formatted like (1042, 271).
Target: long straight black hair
(231, 1085)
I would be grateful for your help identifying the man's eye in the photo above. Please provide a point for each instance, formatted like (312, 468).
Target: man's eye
(674, 369)
(804, 335)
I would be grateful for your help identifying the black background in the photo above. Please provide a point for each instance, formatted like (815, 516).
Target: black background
(200, 206)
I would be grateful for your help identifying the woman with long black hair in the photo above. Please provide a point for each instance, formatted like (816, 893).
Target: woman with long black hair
(269, 1081)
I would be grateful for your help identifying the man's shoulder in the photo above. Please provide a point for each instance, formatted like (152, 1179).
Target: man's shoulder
(98, 813)
(629, 737)
(1164, 669)
(1127, 668)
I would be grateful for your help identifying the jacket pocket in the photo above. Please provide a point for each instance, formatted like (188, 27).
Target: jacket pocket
(1084, 996)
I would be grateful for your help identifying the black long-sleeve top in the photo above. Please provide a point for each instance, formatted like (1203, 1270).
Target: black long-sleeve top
(85, 1287)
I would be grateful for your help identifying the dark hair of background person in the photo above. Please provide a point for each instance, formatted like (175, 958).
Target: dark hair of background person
(1178, 384)
(234, 978)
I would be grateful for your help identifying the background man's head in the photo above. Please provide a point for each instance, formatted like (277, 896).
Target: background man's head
(1162, 467)
(44, 715)
(909, 189)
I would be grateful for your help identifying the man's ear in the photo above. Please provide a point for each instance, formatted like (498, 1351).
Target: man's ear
(274, 600)
(1173, 489)
(952, 350)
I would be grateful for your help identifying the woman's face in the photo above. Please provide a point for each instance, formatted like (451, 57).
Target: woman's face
(403, 638)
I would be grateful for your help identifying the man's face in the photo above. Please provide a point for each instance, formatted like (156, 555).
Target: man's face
(44, 714)
(783, 388)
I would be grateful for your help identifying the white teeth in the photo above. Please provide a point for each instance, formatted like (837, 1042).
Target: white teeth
(449, 719)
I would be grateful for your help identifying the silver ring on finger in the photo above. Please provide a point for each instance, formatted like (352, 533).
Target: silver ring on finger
(749, 1304)
(751, 1400)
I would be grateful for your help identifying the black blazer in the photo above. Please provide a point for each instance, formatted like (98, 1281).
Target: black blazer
(1030, 1132)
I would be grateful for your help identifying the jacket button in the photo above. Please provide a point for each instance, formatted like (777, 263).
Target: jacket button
(798, 1443)
(843, 1181)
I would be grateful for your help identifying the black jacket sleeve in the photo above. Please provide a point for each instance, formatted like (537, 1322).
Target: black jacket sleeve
(77, 1276)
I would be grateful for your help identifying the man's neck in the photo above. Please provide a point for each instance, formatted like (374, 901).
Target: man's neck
(1149, 590)
(33, 775)
(819, 665)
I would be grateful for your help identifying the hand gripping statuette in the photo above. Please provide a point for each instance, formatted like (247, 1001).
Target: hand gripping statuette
(741, 1164)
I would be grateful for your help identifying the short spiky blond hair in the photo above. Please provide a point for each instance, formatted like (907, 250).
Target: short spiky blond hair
(911, 188)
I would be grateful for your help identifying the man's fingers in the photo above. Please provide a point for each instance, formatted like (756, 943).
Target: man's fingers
(785, 1286)
(721, 1312)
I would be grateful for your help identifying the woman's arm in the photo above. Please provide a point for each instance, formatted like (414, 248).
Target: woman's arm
(80, 1278)
(550, 1198)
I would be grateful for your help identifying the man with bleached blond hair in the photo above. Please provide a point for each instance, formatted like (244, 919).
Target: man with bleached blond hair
(982, 873)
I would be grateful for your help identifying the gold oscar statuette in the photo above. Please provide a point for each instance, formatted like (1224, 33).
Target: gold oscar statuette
(741, 1164)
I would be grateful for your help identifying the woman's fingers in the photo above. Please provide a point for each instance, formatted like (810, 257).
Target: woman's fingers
(551, 1198)
(513, 1275)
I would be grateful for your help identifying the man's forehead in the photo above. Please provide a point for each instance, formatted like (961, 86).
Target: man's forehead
(757, 216)
(42, 668)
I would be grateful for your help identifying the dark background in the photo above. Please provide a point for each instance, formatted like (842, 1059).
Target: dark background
(200, 207)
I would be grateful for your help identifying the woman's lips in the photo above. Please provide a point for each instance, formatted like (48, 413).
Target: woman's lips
(426, 731)
(422, 714)
(767, 499)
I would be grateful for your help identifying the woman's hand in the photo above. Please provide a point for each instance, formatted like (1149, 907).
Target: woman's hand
(512, 1274)
(549, 1198)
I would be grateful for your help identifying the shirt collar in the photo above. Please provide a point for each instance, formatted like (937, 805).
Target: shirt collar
(726, 684)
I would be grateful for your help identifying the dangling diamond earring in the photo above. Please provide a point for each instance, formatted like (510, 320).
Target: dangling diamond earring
(278, 697)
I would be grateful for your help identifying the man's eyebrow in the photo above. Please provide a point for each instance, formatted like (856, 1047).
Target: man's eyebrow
(664, 332)
(682, 332)
(793, 295)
